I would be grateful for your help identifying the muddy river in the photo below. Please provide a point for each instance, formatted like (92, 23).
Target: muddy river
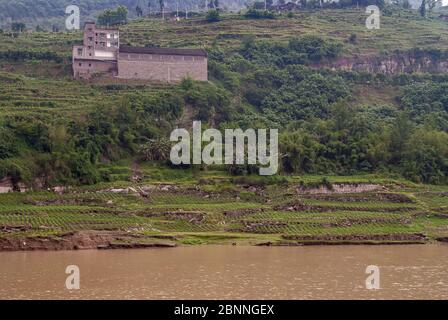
(226, 272)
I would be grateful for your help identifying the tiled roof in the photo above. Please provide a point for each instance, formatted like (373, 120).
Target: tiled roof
(168, 51)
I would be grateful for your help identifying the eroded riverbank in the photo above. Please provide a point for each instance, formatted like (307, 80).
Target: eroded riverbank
(108, 240)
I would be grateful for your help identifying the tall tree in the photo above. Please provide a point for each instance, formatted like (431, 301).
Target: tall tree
(422, 9)
(139, 11)
(162, 8)
(18, 26)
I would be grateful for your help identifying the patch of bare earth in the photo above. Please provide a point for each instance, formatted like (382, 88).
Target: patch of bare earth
(81, 240)
(354, 239)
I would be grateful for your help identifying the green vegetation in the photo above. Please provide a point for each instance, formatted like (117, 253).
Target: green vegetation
(210, 207)
(352, 127)
(259, 14)
(331, 122)
(113, 17)
(213, 16)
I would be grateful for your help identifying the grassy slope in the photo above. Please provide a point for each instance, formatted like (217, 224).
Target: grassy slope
(402, 30)
(397, 32)
(29, 89)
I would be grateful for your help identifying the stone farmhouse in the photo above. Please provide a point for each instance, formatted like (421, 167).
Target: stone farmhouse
(102, 55)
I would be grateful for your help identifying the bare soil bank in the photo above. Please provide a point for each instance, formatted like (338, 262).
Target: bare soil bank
(82, 240)
(375, 239)
(120, 240)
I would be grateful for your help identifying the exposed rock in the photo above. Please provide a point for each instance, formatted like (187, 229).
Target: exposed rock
(242, 212)
(299, 206)
(397, 63)
(340, 188)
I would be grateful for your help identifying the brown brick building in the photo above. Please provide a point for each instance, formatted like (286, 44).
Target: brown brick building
(101, 54)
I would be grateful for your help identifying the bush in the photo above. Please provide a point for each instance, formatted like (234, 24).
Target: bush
(213, 16)
(21, 55)
(353, 38)
(259, 14)
(113, 17)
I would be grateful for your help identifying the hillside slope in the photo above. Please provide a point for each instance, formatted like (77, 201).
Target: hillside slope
(48, 12)
(264, 73)
(364, 153)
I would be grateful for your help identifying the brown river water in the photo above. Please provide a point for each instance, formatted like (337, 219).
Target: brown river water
(226, 272)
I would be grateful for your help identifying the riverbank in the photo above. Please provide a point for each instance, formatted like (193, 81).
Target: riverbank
(212, 208)
(103, 240)
(112, 240)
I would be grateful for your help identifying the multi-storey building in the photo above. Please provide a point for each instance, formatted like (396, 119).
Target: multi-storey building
(101, 54)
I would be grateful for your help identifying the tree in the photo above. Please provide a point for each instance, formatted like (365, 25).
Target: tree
(18, 26)
(431, 4)
(422, 9)
(162, 8)
(139, 11)
(149, 7)
(113, 17)
(156, 150)
(213, 16)
(406, 5)
(399, 137)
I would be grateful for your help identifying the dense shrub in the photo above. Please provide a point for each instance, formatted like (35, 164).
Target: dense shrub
(213, 16)
(29, 55)
(259, 14)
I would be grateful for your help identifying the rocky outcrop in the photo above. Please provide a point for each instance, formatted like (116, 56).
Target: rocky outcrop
(7, 185)
(397, 63)
(340, 188)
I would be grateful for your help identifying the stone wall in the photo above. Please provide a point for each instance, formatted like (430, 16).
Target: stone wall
(87, 68)
(165, 68)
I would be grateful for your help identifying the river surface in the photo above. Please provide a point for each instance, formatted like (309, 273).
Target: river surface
(226, 272)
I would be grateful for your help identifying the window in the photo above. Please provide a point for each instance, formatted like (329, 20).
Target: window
(90, 38)
(79, 51)
(90, 64)
(80, 64)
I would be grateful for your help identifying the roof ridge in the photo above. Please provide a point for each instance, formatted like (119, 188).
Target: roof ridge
(170, 51)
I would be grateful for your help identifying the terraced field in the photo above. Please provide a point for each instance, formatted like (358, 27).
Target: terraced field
(399, 30)
(191, 207)
(30, 97)
(209, 208)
